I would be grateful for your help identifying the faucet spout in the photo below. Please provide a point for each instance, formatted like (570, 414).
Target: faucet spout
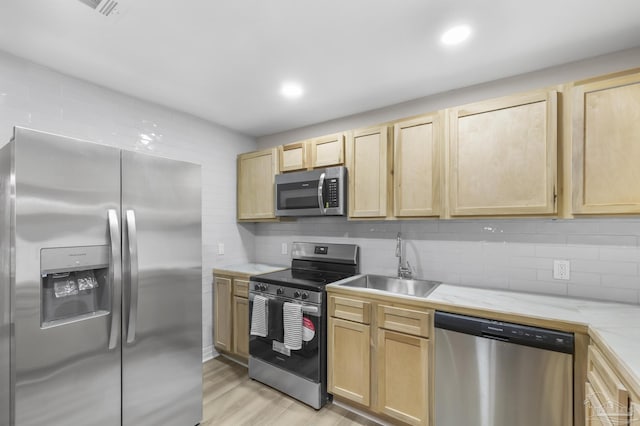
(404, 269)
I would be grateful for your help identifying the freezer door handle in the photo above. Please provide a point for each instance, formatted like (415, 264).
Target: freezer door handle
(115, 277)
(133, 275)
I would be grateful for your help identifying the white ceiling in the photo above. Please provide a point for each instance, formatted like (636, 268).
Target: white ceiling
(224, 60)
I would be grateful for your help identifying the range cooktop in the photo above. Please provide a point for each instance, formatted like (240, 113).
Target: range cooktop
(301, 278)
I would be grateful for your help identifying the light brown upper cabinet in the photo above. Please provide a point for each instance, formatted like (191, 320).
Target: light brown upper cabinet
(255, 192)
(369, 160)
(327, 150)
(293, 156)
(416, 171)
(503, 156)
(606, 146)
(314, 153)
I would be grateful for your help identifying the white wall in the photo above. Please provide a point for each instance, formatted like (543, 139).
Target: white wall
(618, 61)
(36, 97)
(512, 254)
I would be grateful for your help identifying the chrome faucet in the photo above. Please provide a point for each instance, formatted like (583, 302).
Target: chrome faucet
(404, 268)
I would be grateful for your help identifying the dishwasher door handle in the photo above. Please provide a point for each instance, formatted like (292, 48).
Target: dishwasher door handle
(494, 337)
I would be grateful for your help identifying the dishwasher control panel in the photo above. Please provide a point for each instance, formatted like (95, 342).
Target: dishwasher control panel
(542, 338)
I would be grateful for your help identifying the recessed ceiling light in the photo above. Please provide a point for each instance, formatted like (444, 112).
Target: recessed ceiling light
(291, 90)
(456, 35)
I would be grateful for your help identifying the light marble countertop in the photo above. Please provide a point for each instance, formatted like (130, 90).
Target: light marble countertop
(615, 325)
(248, 269)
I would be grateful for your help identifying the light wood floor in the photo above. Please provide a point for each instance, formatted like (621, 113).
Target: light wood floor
(231, 398)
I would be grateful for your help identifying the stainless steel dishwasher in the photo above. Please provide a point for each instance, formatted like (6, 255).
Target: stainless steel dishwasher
(492, 373)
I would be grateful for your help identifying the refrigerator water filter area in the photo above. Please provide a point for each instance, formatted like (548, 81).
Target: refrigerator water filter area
(71, 289)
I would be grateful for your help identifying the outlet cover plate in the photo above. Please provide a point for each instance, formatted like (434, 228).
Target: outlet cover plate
(561, 270)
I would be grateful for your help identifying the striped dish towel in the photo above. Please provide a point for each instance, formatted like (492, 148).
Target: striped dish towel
(292, 318)
(259, 316)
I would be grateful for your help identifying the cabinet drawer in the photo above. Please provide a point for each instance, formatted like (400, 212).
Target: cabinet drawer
(350, 309)
(404, 320)
(605, 384)
(240, 288)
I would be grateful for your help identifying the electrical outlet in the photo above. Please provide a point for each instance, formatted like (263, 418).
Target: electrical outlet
(220, 249)
(561, 270)
(285, 249)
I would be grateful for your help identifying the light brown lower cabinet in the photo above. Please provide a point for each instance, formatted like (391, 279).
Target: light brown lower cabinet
(241, 326)
(349, 360)
(403, 371)
(608, 401)
(378, 365)
(222, 292)
(231, 315)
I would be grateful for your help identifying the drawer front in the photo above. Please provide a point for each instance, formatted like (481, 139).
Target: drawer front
(350, 309)
(606, 385)
(240, 288)
(404, 320)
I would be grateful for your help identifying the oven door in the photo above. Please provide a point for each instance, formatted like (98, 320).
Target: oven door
(306, 362)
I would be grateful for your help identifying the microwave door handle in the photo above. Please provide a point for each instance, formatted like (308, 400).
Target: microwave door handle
(320, 197)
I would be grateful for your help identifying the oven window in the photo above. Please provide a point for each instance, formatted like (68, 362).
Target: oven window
(298, 195)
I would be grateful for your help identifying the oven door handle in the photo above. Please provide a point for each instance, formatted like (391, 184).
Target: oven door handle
(323, 210)
(305, 308)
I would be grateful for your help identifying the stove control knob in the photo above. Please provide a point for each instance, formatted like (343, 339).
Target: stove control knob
(305, 295)
(296, 294)
(264, 287)
(256, 287)
(280, 291)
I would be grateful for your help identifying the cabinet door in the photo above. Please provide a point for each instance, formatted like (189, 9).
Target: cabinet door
(403, 363)
(606, 148)
(503, 156)
(241, 326)
(293, 156)
(416, 170)
(327, 151)
(634, 413)
(348, 360)
(606, 384)
(368, 156)
(222, 311)
(594, 411)
(255, 191)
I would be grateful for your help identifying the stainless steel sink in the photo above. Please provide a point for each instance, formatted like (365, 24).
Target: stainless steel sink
(408, 287)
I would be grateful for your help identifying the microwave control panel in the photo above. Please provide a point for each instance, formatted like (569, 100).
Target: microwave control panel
(331, 196)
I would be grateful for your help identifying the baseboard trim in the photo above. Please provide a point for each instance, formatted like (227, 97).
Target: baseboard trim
(361, 413)
(208, 353)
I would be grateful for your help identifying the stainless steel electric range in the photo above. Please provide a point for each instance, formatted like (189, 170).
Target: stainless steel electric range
(300, 373)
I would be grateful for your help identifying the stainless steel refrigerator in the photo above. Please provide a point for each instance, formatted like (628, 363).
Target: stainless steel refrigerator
(100, 285)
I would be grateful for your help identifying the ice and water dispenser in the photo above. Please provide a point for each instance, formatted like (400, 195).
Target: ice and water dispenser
(74, 284)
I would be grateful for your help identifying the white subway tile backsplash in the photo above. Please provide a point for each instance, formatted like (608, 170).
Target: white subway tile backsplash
(622, 254)
(605, 267)
(621, 281)
(604, 240)
(603, 293)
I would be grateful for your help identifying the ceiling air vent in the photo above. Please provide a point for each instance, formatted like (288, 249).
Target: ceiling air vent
(103, 7)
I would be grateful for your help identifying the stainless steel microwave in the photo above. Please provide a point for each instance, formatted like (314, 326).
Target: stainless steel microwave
(321, 192)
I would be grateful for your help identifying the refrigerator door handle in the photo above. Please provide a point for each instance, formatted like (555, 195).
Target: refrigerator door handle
(115, 277)
(133, 282)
